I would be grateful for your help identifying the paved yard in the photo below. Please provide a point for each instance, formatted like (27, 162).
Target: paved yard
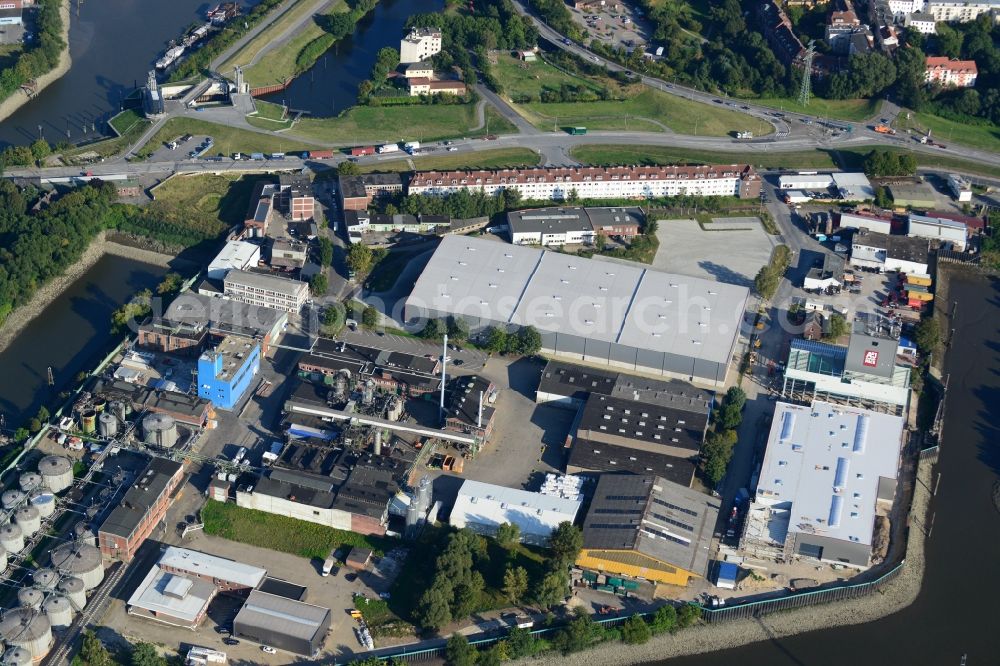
(732, 251)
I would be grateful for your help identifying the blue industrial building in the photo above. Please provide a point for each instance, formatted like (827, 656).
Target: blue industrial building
(225, 373)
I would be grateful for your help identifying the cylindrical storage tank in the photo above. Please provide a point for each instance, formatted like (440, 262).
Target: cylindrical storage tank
(45, 579)
(28, 629)
(74, 590)
(81, 560)
(59, 611)
(11, 538)
(3, 559)
(88, 421)
(29, 597)
(29, 482)
(56, 472)
(11, 499)
(45, 502)
(107, 425)
(28, 519)
(83, 534)
(119, 409)
(160, 430)
(99, 405)
(16, 657)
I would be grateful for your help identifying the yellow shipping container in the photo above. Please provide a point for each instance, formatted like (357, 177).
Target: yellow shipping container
(922, 280)
(920, 296)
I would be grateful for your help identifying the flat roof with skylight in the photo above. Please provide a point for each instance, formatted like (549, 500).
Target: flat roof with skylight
(830, 464)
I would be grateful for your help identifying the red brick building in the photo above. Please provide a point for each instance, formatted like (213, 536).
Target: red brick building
(141, 510)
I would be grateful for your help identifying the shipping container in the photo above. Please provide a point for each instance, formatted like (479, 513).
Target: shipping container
(320, 154)
(362, 150)
(388, 148)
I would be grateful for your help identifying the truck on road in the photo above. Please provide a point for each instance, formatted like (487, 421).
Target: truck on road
(411, 146)
(331, 560)
(388, 148)
(576, 131)
(884, 129)
(362, 150)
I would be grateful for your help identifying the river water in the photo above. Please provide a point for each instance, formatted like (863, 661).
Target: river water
(68, 335)
(954, 613)
(331, 85)
(114, 44)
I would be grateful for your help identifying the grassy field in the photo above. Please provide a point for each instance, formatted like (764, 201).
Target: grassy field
(269, 116)
(278, 25)
(209, 196)
(521, 78)
(852, 159)
(834, 109)
(125, 120)
(650, 110)
(986, 136)
(279, 64)
(227, 139)
(384, 274)
(288, 535)
(369, 124)
(501, 158)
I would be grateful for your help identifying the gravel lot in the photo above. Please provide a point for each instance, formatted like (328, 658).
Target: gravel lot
(733, 253)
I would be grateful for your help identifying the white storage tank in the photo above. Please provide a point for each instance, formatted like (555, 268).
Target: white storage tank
(16, 657)
(29, 597)
(81, 560)
(11, 499)
(28, 519)
(3, 559)
(29, 482)
(45, 502)
(28, 629)
(160, 430)
(11, 538)
(74, 590)
(59, 611)
(56, 472)
(45, 579)
(107, 425)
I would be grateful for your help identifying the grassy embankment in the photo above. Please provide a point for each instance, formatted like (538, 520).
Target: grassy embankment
(256, 45)
(287, 535)
(281, 63)
(501, 158)
(269, 116)
(601, 154)
(982, 134)
(130, 126)
(856, 110)
(373, 124)
(209, 197)
(643, 109)
(227, 139)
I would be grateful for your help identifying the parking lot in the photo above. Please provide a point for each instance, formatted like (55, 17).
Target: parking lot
(615, 24)
(185, 144)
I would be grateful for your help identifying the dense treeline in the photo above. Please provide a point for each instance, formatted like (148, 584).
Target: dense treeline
(36, 246)
(40, 58)
(199, 61)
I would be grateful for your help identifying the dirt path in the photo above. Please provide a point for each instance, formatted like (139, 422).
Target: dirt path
(19, 98)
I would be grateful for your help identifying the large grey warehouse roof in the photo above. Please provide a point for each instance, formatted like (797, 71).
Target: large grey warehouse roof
(597, 300)
(281, 615)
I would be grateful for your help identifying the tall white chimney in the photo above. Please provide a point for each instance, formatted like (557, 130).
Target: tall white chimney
(444, 364)
(479, 421)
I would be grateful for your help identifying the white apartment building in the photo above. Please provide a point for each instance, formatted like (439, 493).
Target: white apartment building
(951, 73)
(419, 45)
(898, 7)
(959, 12)
(266, 291)
(921, 22)
(635, 182)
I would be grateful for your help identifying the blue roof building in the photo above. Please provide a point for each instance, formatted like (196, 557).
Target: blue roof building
(225, 373)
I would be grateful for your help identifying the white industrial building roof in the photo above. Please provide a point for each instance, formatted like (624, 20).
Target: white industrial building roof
(235, 255)
(484, 504)
(180, 597)
(830, 463)
(853, 186)
(212, 566)
(805, 181)
(593, 299)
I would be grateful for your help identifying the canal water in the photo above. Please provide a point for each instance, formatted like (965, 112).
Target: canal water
(114, 44)
(955, 613)
(331, 85)
(69, 335)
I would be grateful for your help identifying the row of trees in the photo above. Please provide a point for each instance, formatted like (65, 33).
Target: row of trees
(40, 58)
(883, 163)
(525, 341)
(335, 27)
(579, 634)
(769, 277)
(94, 653)
(721, 440)
(458, 587)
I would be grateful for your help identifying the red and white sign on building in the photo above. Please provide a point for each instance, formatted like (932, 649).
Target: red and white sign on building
(871, 358)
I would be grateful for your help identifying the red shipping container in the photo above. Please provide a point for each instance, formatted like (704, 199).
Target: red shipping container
(320, 154)
(363, 150)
